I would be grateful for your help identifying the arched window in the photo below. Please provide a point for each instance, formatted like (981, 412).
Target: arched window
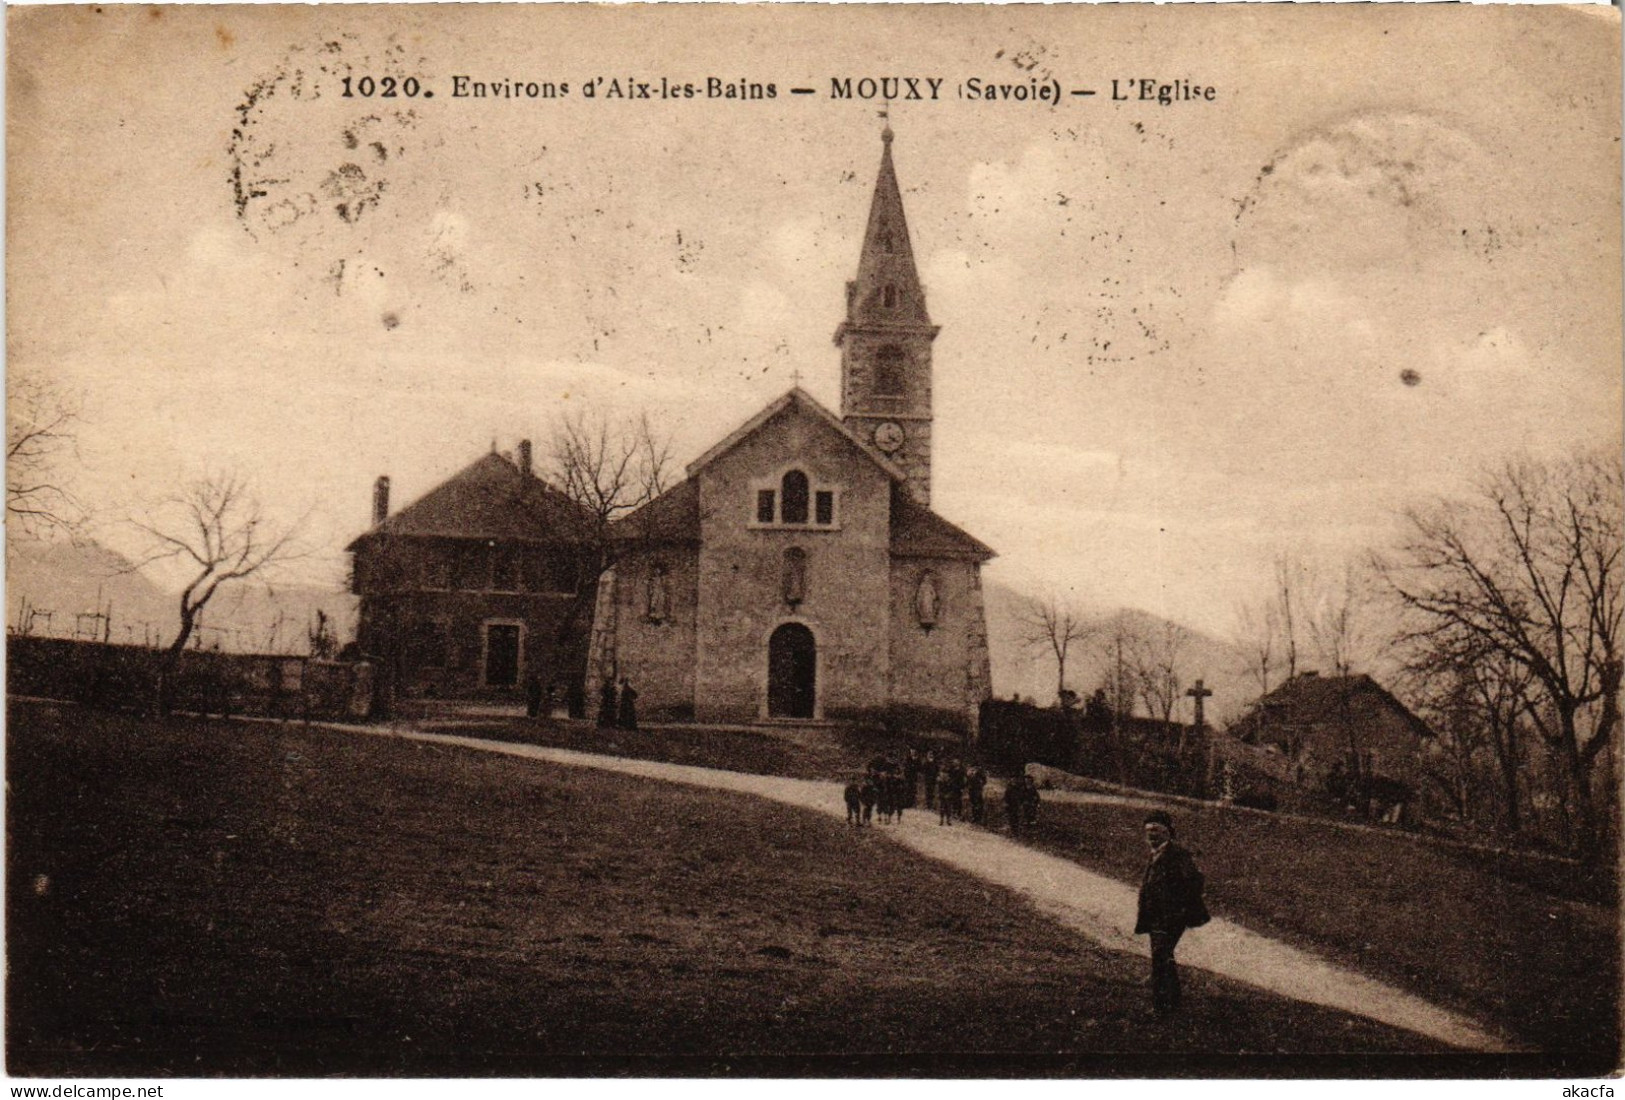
(795, 575)
(888, 297)
(889, 364)
(793, 507)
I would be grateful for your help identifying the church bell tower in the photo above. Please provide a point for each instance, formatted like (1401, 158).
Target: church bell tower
(885, 340)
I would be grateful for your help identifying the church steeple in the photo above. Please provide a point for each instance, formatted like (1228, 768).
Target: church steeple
(885, 340)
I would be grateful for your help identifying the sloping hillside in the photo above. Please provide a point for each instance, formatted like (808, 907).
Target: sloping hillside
(51, 584)
(1030, 671)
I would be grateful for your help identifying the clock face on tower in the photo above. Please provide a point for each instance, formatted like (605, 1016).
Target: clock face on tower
(889, 436)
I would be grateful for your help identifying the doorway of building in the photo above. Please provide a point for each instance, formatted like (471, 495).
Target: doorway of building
(792, 672)
(501, 654)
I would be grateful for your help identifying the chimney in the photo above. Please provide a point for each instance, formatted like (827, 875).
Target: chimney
(524, 456)
(380, 501)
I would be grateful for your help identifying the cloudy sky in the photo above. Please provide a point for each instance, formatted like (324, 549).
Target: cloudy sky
(1175, 339)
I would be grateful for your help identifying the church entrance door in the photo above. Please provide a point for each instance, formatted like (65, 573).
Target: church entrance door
(792, 670)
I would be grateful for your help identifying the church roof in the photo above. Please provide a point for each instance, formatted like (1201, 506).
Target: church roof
(491, 498)
(673, 516)
(799, 398)
(918, 532)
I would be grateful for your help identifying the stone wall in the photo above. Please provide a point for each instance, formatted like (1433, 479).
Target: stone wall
(654, 645)
(930, 667)
(740, 581)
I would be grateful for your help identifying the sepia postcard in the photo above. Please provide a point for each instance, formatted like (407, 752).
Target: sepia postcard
(796, 541)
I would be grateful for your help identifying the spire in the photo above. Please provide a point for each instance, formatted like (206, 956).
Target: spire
(887, 291)
(885, 339)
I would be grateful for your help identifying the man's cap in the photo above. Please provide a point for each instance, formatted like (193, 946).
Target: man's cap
(1160, 817)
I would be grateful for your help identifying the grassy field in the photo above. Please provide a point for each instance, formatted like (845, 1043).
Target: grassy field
(1431, 920)
(1529, 953)
(816, 754)
(202, 898)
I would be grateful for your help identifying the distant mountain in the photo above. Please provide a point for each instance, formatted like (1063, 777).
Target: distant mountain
(57, 589)
(1019, 669)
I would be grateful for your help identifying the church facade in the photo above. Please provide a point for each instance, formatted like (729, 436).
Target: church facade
(797, 572)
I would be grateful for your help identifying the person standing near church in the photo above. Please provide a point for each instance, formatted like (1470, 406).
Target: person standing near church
(1170, 902)
(606, 703)
(629, 706)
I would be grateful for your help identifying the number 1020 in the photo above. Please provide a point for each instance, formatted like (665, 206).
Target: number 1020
(386, 87)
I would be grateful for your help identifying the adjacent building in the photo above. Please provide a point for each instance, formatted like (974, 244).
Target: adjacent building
(1317, 727)
(481, 585)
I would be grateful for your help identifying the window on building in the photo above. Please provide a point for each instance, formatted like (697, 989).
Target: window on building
(824, 507)
(427, 644)
(794, 487)
(505, 569)
(888, 297)
(795, 575)
(889, 364)
(472, 569)
(796, 500)
(561, 572)
(436, 568)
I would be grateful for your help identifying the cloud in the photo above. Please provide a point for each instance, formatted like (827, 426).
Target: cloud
(1381, 189)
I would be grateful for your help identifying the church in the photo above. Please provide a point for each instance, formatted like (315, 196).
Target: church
(797, 573)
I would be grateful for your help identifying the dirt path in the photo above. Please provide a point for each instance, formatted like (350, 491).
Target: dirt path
(1101, 908)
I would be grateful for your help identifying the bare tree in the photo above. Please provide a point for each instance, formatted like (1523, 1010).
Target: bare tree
(1528, 569)
(1157, 654)
(1478, 700)
(217, 529)
(610, 467)
(1257, 639)
(1293, 580)
(41, 423)
(1120, 643)
(1342, 620)
(1051, 623)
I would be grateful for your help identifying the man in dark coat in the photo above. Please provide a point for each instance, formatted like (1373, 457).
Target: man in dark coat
(629, 706)
(606, 703)
(975, 785)
(1170, 902)
(1015, 802)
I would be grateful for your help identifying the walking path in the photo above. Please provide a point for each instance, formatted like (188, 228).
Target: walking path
(1101, 908)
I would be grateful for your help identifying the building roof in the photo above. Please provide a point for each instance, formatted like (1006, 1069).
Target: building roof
(673, 516)
(800, 399)
(918, 532)
(1309, 699)
(492, 498)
